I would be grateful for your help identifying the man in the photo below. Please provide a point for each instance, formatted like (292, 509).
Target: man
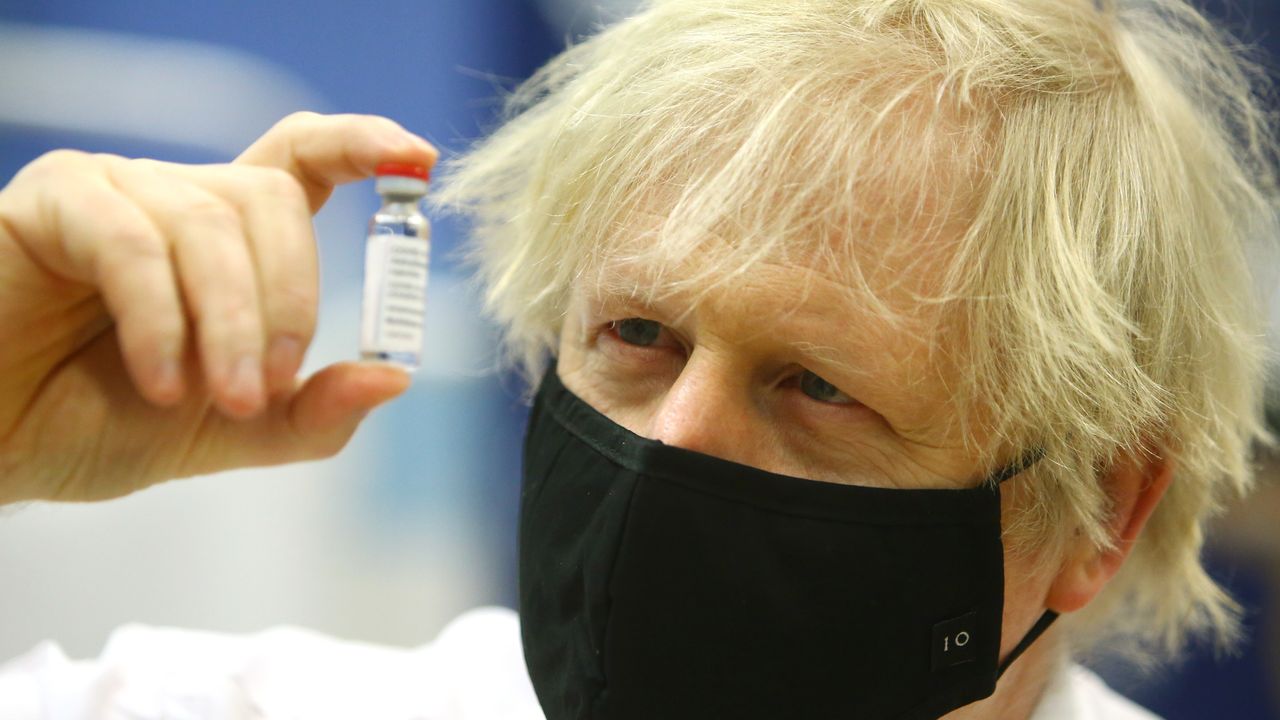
(887, 352)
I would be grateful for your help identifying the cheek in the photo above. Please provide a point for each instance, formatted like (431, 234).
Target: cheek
(589, 373)
(573, 366)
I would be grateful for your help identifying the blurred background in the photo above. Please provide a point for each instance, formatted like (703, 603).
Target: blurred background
(415, 520)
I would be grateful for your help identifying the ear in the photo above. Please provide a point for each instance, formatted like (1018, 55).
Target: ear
(1135, 483)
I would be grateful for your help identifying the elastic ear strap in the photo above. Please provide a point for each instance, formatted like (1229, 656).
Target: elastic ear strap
(1036, 631)
(1029, 458)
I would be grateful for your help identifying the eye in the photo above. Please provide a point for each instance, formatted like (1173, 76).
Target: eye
(821, 390)
(637, 331)
(637, 339)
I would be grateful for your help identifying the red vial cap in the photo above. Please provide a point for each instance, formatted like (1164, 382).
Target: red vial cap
(402, 170)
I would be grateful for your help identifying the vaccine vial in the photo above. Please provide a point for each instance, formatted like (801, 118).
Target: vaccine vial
(395, 269)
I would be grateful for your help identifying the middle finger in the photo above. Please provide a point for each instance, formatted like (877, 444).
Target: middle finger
(281, 239)
(215, 270)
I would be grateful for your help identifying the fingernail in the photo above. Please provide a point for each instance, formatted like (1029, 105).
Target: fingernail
(246, 380)
(283, 359)
(424, 145)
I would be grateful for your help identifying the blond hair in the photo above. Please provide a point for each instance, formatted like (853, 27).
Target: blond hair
(1108, 163)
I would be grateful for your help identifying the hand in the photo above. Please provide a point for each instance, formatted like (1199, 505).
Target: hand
(153, 315)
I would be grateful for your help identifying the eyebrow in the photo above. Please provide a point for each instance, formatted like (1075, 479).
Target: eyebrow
(827, 355)
(824, 355)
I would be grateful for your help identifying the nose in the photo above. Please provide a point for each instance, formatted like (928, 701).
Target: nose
(708, 409)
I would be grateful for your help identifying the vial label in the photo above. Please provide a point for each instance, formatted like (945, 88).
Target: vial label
(395, 287)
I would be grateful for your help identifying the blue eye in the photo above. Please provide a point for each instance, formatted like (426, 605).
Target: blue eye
(638, 331)
(821, 390)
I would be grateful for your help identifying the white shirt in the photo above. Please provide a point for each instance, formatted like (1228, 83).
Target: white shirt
(474, 670)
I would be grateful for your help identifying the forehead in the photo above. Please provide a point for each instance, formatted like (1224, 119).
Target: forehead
(814, 306)
(880, 276)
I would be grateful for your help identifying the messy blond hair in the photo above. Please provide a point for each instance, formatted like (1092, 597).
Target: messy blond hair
(1108, 165)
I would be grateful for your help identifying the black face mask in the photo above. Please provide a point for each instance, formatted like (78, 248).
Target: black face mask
(657, 583)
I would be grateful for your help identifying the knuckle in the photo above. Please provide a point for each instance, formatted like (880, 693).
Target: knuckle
(279, 186)
(147, 163)
(293, 306)
(332, 445)
(236, 317)
(149, 325)
(121, 267)
(213, 213)
(226, 306)
(132, 243)
(62, 157)
(225, 341)
(151, 334)
(298, 119)
(58, 162)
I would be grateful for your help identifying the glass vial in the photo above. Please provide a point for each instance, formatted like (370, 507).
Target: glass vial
(395, 269)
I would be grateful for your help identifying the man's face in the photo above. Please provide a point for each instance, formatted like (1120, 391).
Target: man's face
(782, 370)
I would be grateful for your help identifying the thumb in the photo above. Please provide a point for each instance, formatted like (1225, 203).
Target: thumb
(315, 422)
(336, 399)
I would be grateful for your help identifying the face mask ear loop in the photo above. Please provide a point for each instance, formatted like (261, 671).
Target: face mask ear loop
(1036, 631)
(1030, 458)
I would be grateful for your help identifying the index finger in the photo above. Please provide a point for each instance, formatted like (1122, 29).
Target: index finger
(323, 151)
